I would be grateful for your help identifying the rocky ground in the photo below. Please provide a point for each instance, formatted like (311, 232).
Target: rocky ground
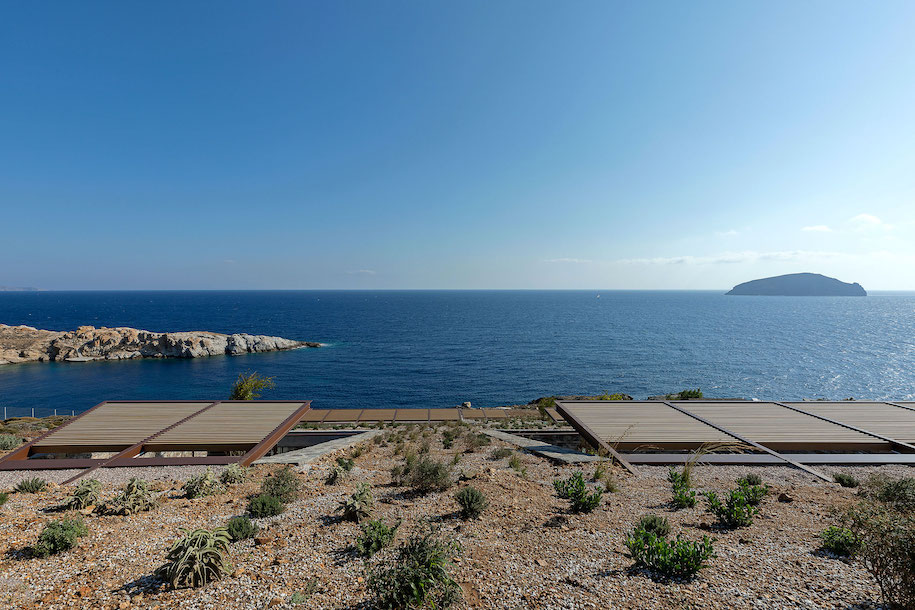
(526, 551)
(26, 344)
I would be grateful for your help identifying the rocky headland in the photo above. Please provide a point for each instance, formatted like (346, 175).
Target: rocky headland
(87, 343)
(799, 285)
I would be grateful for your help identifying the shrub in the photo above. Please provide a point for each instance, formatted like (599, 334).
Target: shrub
(472, 502)
(735, 511)
(59, 536)
(346, 464)
(753, 493)
(248, 386)
(449, 436)
(197, 558)
(234, 474)
(840, 541)
(654, 524)
(336, 475)
(375, 535)
(887, 546)
(750, 480)
(358, 506)
(845, 480)
(678, 558)
(575, 490)
(897, 493)
(4, 497)
(514, 462)
(205, 484)
(501, 453)
(9, 441)
(427, 475)
(683, 497)
(418, 576)
(616, 396)
(685, 395)
(473, 442)
(284, 484)
(679, 479)
(265, 505)
(136, 497)
(241, 528)
(31, 486)
(86, 494)
(356, 452)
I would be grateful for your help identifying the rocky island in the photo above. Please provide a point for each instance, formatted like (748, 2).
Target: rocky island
(799, 285)
(87, 343)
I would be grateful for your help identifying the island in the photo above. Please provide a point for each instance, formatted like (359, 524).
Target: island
(799, 285)
(26, 344)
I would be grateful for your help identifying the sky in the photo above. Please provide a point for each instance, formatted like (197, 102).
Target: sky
(473, 144)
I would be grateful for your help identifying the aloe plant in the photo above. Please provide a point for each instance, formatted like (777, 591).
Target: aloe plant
(136, 497)
(85, 495)
(200, 556)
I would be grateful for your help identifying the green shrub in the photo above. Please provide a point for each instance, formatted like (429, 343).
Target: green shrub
(58, 536)
(472, 502)
(616, 396)
(686, 395)
(31, 486)
(265, 505)
(886, 538)
(358, 506)
(654, 524)
(897, 493)
(4, 497)
(840, 541)
(575, 490)
(678, 558)
(234, 474)
(136, 497)
(346, 464)
(241, 528)
(750, 480)
(375, 535)
(248, 386)
(284, 484)
(683, 497)
(679, 479)
(424, 475)
(198, 557)
(336, 475)
(845, 480)
(9, 441)
(473, 442)
(735, 511)
(753, 493)
(418, 576)
(514, 462)
(501, 453)
(206, 484)
(449, 436)
(86, 494)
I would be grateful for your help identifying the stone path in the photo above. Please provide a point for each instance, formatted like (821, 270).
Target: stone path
(303, 457)
(552, 452)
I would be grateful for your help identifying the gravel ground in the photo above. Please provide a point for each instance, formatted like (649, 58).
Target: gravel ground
(511, 557)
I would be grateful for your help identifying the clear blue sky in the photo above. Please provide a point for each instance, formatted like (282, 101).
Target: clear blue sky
(455, 144)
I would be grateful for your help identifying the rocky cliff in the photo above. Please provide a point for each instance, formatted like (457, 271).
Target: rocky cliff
(86, 343)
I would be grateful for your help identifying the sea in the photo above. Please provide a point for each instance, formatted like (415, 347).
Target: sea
(419, 349)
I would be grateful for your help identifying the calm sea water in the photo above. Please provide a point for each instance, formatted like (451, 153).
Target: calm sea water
(439, 348)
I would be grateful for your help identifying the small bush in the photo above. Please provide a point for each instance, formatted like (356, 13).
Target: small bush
(418, 576)
(501, 453)
(375, 535)
(206, 484)
(472, 502)
(358, 506)
(735, 511)
(449, 436)
(429, 475)
(750, 480)
(514, 462)
(265, 505)
(357, 452)
(4, 497)
(85, 495)
(346, 464)
(679, 558)
(897, 493)
(336, 475)
(59, 536)
(679, 479)
(575, 490)
(241, 528)
(197, 558)
(248, 386)
(753, 493)
(845, 480)
(136, 497)
(840, 541)
(9, 441)
(234, 474)
(31, 486)
(284, 484)
(654, 524)
(683, 497)
(474, 442)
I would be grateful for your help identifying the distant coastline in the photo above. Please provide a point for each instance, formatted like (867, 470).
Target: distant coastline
(799, 285)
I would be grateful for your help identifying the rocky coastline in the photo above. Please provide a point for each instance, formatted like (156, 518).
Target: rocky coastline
(87, 343)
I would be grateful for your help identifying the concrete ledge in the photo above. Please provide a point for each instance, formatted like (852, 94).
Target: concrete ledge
(302, 457)
(551, 452)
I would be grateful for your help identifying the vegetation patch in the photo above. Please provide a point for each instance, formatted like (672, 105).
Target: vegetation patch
(241, 528)
(374, 536)
(136, 497)
(85, 495)
(206, 484)
(846, 480)
(198, 557)
(654, 524)
(683, 496)
(346, 464)
(265, 505)
(735, 511)
(59, 536)
(678, 558)
(9, 441)
(249, 386)
(234, 474)
(358, 506)
(33, 485)
(423, 475)
(576, 491)
(472, 502)
(840, 541)
(417, 576)
(285, 484)
(501, 453)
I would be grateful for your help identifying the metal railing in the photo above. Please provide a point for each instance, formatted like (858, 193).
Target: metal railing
(37, 412)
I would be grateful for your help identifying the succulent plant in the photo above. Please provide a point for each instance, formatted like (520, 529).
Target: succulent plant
(85, 495)
(200, 556)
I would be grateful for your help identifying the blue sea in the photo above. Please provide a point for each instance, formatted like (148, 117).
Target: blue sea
(440, 348)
